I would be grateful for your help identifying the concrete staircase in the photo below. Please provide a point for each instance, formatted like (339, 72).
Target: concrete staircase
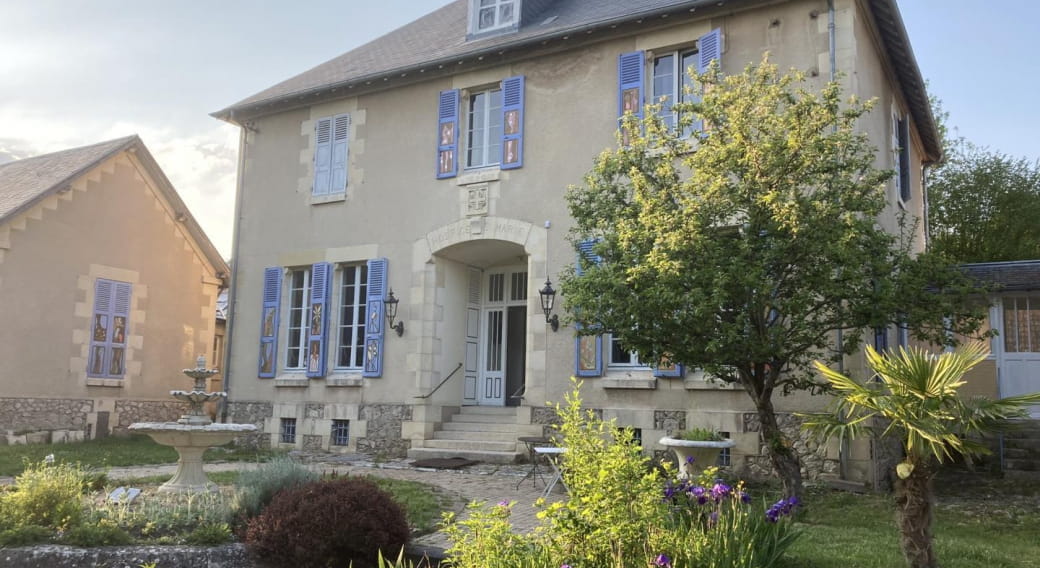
(1022, 451)
(483, 433)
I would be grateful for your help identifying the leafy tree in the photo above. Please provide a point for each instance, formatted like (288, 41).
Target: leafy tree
(984, 205)
(745, 248)
(918, 399)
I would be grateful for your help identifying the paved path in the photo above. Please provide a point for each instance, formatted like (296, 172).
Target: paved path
(481, 482)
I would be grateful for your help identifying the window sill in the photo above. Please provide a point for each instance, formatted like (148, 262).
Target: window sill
(331, 198)
(699, 383)
(629, 383)
(298, 382)
(479, 175)
(344, 380)
(113, 383)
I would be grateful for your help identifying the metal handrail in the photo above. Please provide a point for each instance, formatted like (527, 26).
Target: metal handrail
(440, 384)
(520, 392)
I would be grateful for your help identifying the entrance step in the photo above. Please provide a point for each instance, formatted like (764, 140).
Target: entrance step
(1022, 450)
(483, 433)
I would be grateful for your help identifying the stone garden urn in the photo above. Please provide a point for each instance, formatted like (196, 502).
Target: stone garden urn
(695, 455)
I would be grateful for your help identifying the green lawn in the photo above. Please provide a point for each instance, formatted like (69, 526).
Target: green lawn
(114, 452)
(984, 523)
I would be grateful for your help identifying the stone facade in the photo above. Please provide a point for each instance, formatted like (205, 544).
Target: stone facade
(811, 452)
(22, 414)
(131, 411)
(384, 429)
(255, 413)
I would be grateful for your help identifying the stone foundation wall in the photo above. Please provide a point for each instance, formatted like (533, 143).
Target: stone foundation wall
(131, 411)
(812, 453)
(671, 421)
(256, 413)
(383, 429)
(34, 414)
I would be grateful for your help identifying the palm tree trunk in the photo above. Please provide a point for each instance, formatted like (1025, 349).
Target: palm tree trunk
(914, 508)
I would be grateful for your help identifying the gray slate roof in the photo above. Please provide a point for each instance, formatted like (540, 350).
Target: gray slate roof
(1010, 276)
(439, 39)
(23, 182)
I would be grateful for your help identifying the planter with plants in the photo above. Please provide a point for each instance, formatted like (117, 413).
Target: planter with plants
(696, 449)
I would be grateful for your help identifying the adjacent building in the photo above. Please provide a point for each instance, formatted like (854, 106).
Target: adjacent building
(429, 167)
(108, 288)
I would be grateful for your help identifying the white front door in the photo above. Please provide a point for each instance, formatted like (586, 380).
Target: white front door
(1019, 356)
(504, 288)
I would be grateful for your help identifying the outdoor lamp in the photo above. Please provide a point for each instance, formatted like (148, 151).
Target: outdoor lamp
(390, 304)
(548, 296)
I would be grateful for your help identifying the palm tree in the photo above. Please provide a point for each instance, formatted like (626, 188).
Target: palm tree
(915, 393)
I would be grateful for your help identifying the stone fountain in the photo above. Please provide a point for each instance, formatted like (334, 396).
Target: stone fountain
(193, 433)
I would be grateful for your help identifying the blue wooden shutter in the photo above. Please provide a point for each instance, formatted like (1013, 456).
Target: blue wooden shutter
(447, 162)
(588, 350)
(321, 276)
(512, 119)
(904, 159)
(340, 137)
(709, 47)
(374, 325)
(630, 86)
(588, 354)
(100, 329)
(322, 156)
(676, 371)
(268, 359)
(120, 329)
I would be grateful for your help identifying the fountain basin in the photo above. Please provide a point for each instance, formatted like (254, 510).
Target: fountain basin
(190, 441)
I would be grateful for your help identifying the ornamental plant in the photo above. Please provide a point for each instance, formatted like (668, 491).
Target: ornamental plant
(915, 394)
(621, 513)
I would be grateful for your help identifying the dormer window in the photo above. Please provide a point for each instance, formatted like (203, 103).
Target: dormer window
(491, 15)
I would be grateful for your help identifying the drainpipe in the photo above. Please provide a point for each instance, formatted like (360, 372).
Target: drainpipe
(843, 446)
(233, 286)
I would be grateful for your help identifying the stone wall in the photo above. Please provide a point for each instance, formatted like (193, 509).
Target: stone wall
(33, 414)
(131, 411)
(256, 413)
(53, 556)
(812, 453)
(671, 421)
(383, 429)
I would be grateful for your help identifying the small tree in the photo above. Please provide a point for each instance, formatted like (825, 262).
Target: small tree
(917, 396)
(743, 249)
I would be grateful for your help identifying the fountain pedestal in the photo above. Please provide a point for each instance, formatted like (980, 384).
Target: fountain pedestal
(192, 434)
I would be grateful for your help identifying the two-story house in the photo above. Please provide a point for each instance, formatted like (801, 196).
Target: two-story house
(428, 167)
(108, 288)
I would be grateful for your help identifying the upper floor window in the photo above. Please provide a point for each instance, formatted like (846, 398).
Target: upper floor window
(484, 129)
(488, 15)
(331, 135)
(672, 84)
(901, 154)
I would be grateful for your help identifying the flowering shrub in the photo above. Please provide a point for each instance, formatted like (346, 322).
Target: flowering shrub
(616, 516)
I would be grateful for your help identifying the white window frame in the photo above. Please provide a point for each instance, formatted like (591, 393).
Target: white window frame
(302, 310)
(632, 363)
(680, 79)
(490, 144)
(495, 6)
(356, 328)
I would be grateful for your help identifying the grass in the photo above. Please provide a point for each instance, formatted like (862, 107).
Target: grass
(114, 452)
(987, 523)
(423, 503)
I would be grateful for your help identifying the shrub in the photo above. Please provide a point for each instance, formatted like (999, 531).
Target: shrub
(25, 535)
(255, 488)
(209, 534)
(101, 534)
(328, 523)
(46, 495)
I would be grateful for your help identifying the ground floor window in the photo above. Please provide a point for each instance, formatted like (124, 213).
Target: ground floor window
(340, 432)
(288, 431)
(299, 308)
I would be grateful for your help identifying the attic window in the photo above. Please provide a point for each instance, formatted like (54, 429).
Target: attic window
(490, 15)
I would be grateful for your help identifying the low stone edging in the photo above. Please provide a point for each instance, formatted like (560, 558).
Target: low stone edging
(56, 556)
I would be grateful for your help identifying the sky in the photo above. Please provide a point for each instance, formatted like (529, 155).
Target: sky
(76, 72)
